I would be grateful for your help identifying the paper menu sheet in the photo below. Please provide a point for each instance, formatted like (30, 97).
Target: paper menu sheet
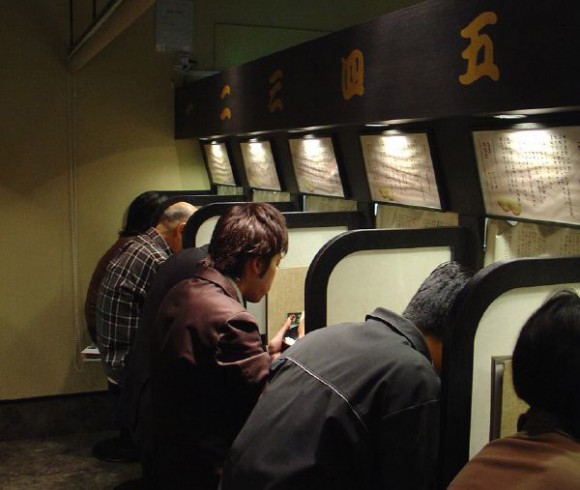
(316, 167)
(219, 165)
(400, 169)
(511, 241)
(259, 165)
(398, 217)
(532, 173)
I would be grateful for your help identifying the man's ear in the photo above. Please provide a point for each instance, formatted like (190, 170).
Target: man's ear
(251, 268)
(256, 265)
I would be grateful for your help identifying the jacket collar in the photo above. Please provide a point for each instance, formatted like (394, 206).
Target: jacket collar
(211, 275)
(403, 327)
(236, 289)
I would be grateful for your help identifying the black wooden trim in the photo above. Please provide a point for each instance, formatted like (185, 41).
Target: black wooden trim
(309, 219)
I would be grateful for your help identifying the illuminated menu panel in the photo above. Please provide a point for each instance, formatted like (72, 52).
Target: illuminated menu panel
(315, 167)
(533, 173)
(399, 169)
(219, 165)
(260, 166)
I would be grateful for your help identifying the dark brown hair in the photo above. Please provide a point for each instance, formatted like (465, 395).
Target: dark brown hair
(245, 231)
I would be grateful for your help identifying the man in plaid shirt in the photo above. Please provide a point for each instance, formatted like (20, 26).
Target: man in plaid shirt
(128, 278)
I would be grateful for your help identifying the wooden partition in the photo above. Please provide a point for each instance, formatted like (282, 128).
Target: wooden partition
(497, 302)
(362, 269)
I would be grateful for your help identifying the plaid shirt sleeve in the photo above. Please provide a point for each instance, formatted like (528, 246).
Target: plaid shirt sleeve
(121, 299)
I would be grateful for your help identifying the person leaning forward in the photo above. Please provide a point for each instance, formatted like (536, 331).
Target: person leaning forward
(354, 405)
(128, 278)
(139, 218)
(208, 362)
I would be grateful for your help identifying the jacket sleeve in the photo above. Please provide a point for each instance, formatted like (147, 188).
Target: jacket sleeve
(244, 367)
(240, 349)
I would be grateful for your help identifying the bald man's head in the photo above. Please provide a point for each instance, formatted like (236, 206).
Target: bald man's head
(172, 223)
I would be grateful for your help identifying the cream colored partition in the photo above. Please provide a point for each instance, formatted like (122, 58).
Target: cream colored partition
(496, 335)
(304, 244)
(287, 293)
(386, 278)
(366, 268)
(205, 231)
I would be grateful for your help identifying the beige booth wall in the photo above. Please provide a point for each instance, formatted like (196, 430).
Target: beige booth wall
(75, 151)
(287, 292)
(365, 280)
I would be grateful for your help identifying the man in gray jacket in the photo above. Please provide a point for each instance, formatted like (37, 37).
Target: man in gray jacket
(354, 405)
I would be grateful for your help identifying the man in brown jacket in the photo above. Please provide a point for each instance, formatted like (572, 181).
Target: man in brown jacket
(208, 362)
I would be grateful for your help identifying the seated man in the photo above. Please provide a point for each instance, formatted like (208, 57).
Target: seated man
(545, 453)
(135, 410)
(128, 278)
(121, 296)
(208, 362)
(354, 405)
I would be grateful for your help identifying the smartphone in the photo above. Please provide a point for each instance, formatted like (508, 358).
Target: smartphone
(292, 333)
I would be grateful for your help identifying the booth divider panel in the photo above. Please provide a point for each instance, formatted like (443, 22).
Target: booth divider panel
(384, 277)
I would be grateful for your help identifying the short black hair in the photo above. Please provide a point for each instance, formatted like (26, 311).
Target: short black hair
(546, 358)
(430, 307)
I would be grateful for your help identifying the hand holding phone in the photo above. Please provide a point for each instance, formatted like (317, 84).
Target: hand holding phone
(296, 328)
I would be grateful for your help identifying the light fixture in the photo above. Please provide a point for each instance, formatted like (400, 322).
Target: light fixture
(510, 116)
